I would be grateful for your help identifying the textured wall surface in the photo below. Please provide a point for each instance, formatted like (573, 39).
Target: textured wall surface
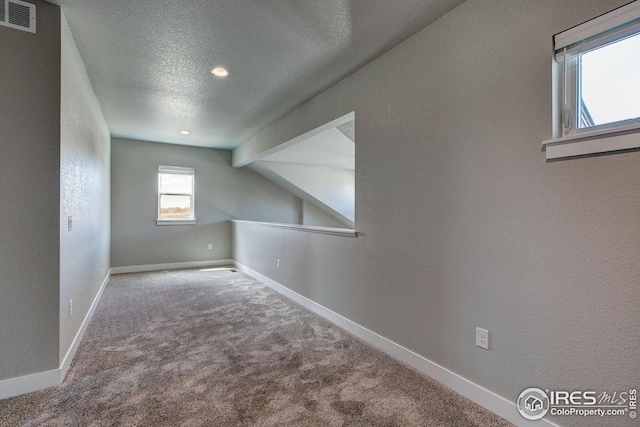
(222, 193)
(461, 221)
(29, 195)
(84, 193)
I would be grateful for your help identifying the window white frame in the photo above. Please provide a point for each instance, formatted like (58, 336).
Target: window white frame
(177, 170)
(570, 140)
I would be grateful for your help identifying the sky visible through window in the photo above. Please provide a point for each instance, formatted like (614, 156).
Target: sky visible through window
(175, 184)
(611, 81)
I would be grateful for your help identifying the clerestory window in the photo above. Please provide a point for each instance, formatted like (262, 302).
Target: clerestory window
(598, 91)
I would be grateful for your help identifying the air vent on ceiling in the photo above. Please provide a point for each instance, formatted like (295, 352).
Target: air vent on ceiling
(18, 14)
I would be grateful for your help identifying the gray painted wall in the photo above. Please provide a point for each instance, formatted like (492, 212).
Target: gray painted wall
(29, 195)
(222, 193)
(313, 215)
(84, 193)
(462, 222)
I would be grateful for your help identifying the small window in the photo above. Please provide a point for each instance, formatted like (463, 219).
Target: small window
(175, 195)
(609, 85)
(599, 88)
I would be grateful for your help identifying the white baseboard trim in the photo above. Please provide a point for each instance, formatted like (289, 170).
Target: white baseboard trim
(29, 383)
(478, 394)
(498, 405)
(13, 387)
(170, 266)
(68, 358)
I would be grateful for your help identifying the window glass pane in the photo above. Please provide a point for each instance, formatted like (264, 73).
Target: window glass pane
(175, 207)
(176, 183)
(610, 83)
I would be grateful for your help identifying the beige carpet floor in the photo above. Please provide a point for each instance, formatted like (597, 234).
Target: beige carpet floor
(217, 348)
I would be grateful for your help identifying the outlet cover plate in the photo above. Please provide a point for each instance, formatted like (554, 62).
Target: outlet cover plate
(482, 338)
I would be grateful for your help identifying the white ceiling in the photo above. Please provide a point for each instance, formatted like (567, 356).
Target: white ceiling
(150, 61)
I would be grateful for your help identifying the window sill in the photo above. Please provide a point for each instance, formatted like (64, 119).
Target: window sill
(175, 222)
(346, 232)
(624, 138)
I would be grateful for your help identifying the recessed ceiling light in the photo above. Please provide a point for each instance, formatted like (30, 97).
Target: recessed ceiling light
(220, 72)
(184, 132)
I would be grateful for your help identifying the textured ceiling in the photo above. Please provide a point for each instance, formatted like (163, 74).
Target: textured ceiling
(150, 61)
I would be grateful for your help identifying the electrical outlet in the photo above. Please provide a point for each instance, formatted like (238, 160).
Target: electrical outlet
(70, 307)
(210, 246)
(482, 338)
(278, 263)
